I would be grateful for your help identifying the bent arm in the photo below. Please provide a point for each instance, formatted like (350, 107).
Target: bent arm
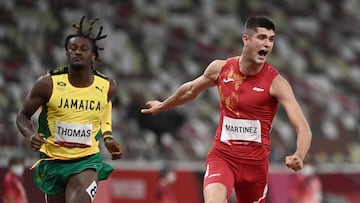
(282, 90)
(106, 120)
(187, 91)
(39, 94)
(112, 89)
(111, 144)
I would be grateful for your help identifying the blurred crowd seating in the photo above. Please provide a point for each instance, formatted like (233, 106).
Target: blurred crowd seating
(153, 46)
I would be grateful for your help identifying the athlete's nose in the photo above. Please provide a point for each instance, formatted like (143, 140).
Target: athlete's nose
(267, 43)
(78, 51)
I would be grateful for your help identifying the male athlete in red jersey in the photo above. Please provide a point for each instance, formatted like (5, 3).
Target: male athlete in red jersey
(250, 90)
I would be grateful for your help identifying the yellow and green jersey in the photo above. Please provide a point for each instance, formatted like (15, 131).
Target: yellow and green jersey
(72, 118)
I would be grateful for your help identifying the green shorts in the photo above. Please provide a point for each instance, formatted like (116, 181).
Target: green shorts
(51, 176)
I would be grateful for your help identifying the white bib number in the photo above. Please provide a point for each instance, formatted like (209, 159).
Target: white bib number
(91, 190)
(240, 129)
(73, 134)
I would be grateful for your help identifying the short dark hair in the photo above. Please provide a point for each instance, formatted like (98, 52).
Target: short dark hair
(259, 21)
(81, 33)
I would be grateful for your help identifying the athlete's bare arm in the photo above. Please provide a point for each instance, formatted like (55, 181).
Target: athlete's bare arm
(281, 89)
(187, 91)
(39, 94)
(112, 89)
(112, 145)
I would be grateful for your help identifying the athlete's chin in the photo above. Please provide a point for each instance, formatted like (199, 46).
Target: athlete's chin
(77, 65)
(260, 60)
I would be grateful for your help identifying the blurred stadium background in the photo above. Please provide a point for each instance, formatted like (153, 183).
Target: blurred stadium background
(155, 45)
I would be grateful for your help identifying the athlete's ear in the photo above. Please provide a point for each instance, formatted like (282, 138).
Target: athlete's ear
(245, 39)
(93, 57)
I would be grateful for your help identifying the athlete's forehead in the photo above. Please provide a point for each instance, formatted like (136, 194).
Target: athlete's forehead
(264, 31)
(79, 41)
(261, 32)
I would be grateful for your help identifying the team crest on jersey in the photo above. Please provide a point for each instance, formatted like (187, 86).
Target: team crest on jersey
(60, 85)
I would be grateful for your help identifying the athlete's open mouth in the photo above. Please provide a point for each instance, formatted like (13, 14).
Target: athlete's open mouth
(262, 52)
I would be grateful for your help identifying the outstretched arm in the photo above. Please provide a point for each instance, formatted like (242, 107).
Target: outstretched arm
(282, 90)
(187, 91)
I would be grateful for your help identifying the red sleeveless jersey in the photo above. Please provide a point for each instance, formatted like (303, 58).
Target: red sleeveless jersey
(247, 111)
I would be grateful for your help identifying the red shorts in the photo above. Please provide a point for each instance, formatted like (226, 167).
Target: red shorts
(250, 180)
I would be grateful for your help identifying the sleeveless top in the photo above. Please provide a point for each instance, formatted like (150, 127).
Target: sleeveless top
(247, 111)
(71, 119)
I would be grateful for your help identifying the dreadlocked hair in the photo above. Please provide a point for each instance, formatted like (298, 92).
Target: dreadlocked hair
(80, 32)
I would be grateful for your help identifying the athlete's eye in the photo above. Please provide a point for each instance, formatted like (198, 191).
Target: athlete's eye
(85, 48)
(72, 48)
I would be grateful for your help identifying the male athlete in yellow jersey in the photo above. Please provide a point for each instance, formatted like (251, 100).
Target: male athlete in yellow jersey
(75, 104)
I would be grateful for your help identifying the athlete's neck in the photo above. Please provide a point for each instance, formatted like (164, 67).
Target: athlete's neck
(248, 67)
(81, 76)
